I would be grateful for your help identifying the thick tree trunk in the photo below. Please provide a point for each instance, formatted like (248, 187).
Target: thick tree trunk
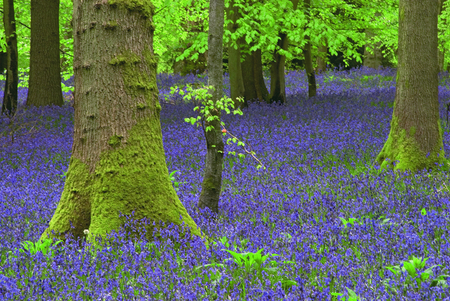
(260, 85)
(9, 105)
(441, 54)
(212, 180)
(415, 138)
(44, 87)
(118, 162)
(252, 74)
(372, 60)
(234, 60)
(312, 87)
(248, 75)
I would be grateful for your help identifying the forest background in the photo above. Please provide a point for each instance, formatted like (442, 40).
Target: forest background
(180, 40)
(261, 28)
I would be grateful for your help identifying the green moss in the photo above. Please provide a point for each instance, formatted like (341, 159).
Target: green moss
(412, 131)
(129, 177)
(137, 83)
(405, 149)
(143, 6)
(114, 141)
(111, 24)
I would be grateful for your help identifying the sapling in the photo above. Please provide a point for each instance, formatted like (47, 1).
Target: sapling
(207, 106)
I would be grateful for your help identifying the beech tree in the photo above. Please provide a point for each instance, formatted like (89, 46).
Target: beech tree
(118, 161)
(9, 105)
(415, 138)
(234, 57)
(212, 180)
(44, 86)
(312, 87)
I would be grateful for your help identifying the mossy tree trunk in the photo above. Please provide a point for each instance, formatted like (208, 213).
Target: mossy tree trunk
(441, 54)
(312, 87)
(45, 66)
(212, 180)
(118, 162)
(234, 59)
(415, 138)
(9, 105)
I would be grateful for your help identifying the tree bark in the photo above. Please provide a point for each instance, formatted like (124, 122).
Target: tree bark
(277, 78)
(372, 60)
(260, 85)
(312, 87)
(415, 138)
(118, 161)
(9, 105)
(248, 75)
(45, 65)
(212, 180)
(322, 57)
(234, 60)
(441, 54)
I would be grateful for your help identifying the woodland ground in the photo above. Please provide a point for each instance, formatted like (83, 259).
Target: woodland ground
(331, 226)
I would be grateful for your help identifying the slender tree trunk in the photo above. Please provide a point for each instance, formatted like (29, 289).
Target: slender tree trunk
(118, 163)
(212, 180)
(45, 65)
(234, 60)
(312, 87)
(415, 138)
(322, 57)
(9, 105)
(372, 60)
(277, 78)
(248, 75)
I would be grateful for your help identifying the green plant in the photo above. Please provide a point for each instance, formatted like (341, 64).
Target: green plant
(172, 178)
(352, 295)
(411, 267)
(39, 246)
(249, 262)
(207, 107)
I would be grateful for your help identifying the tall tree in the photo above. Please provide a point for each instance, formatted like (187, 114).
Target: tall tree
(415, 138)
(252, 74)
(372, 59)
(118, 161)
(9, 105)
(321, 59)
(44, 87)
(312, 87)
(212, 180)
(277, 76)
(441, 54)
(234, 58)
